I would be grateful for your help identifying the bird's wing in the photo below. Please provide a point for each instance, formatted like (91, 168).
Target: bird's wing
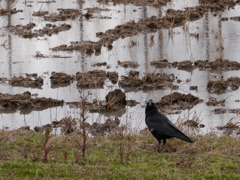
(162, 125)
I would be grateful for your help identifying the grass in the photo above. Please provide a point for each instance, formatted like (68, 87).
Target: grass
(210, 157)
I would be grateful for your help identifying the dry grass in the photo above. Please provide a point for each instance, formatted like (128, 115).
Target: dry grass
(118, 156)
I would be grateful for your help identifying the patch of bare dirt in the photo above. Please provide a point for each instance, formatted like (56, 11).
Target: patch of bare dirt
(63, 15)
(214, 102)
(127, 64)
(149, 81)
(193, 88)
(31, 80)
(178, 101)
(26, 102)
(9, 11)
(161, 63)
(100, 64)
(60, 78)
(40, 13)
(218, 64)
(155, 3)
(221, 86)
(218, 5)
(26, 31)
(188, 65)
(113, 77)
(88, 47)
(93, 79)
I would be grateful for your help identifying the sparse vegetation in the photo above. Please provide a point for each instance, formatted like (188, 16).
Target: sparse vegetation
(210, 157)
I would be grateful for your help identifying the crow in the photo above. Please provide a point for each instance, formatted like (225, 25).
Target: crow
(161, 127)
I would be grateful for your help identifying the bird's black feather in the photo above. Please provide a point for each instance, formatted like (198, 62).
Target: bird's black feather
(161, 127)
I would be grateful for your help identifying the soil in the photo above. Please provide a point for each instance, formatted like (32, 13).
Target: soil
(149, 81)
(224, 110)
(221, 86)
(26, 31)
(93, 79)
(178, 101)
(113, 77)
(26, 102)
(127, 64)
(63, 15)
(9, 11)
(214, 102)
(61, 78)
(155, 3)
(188, 65)
(31, 80)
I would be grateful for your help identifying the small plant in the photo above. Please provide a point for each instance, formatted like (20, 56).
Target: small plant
(47, 136)
(83, 124)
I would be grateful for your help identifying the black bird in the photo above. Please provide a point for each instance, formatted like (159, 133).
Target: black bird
(161, 127)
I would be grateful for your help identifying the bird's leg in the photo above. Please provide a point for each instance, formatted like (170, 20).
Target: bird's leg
(164, 142)
(159, 142)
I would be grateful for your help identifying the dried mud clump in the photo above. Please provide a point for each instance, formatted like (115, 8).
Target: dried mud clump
(161, 63)
(214, 102)
(234, 83)
(218, 86)
(25, 102)
(30, 81)
(186, 65)
(127, 64)
(113, 77)
(100, 64)
(155, 3)
(64, 14)
(40, 13)
(97, 129)
(115, 98)
(178, 101)
(26, 30)
(193, 88)
(149, 81)
(221, 86)
(61, 78)
(130, 81)
(93, 79)
(157, 81)
(224, 110)
(218, 5)
(218, 64)
(87, 47)
(9, 11)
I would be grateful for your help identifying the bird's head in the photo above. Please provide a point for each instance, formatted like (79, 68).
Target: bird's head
(150, 106)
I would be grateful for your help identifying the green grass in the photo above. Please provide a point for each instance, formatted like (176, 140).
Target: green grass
(210, 157)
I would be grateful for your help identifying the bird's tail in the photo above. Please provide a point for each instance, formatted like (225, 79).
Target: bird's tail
(183, 137)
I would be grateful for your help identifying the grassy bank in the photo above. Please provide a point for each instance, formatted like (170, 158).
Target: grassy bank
(117, 157)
